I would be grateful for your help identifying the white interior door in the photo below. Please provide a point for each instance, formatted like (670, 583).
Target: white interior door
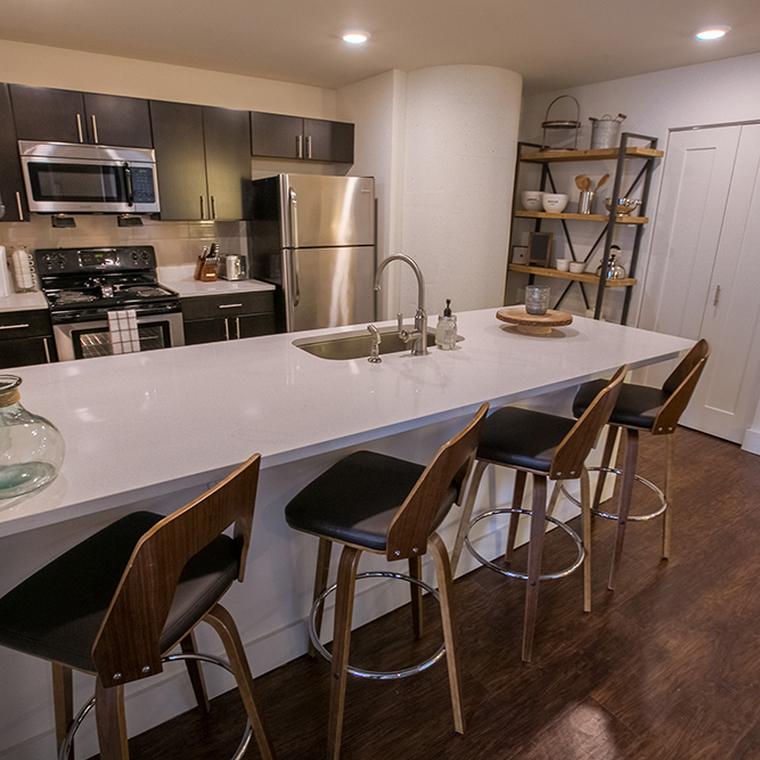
(707, 243)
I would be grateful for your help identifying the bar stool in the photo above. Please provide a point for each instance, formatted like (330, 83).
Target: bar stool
(114, 605)
(546, 446)
(640, 408)
(376, 503)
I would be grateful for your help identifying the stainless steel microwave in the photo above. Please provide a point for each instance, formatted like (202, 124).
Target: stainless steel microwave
(88, 179)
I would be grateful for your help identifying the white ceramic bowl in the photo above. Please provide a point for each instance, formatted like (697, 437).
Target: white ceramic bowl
(531, 200)
(554, 203)
(577, 266)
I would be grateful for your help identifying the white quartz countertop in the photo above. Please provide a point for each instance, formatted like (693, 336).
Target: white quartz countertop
(23, 301)
(181, 279)
(141, 425)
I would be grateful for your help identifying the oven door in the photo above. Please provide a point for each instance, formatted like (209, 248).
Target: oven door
(88, 179)
(84, 340)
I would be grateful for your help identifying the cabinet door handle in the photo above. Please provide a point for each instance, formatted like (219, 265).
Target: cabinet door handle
(237, 326)
(299, 146)
(230, 305)
(226, 329)
(308, 146)
(94, 128)
(79, 128)
(203, 207)
(13, 327)
(717, 296)
(213, 207)
(20, 207)
(47, 350)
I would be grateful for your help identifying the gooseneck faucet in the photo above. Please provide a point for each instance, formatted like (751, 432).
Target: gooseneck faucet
(419, 334)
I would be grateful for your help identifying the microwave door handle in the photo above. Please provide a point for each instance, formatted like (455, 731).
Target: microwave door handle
(128, 180)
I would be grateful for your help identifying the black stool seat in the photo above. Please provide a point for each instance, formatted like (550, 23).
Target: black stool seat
(355, 501)
(522, 438)
(57, 612)
(637, 405)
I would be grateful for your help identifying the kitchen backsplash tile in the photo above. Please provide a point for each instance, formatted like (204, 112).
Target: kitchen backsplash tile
(176, 243)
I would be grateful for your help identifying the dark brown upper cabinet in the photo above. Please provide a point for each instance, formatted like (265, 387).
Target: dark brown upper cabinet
(279, 136)
(12, 194)
(47, 114)
(203, 157)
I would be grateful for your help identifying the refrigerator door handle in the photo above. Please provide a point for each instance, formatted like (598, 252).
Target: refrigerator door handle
(296, 282)
(293, 199)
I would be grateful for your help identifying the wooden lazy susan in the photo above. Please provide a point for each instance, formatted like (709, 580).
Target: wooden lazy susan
(534, 324)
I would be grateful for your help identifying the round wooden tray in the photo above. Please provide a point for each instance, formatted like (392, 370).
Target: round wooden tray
(534, 324)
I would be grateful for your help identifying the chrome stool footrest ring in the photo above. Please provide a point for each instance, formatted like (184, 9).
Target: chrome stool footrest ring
(379, 675)
(524, 576)
(68, 741)
(631, 518)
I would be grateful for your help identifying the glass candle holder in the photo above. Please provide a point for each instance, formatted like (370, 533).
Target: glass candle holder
(537, 299)
(31, 447)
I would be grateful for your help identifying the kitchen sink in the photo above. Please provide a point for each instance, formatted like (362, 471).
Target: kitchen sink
(356, 345)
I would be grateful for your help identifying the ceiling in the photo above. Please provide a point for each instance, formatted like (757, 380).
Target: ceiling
(554, 44)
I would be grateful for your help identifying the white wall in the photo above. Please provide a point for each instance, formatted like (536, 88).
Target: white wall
(706, 94)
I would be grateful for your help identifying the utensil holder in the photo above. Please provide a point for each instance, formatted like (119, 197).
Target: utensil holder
(209, 271)
(586, 202)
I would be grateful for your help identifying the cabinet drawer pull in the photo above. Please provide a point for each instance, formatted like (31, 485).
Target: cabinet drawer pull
(94, 128)
(226, 329)
(20, 207)
(13, 327)
(230, 305)
(79, 128)
(47, 350)
(237, 327)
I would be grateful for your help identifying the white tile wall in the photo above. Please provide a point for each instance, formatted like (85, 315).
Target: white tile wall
(176, 243)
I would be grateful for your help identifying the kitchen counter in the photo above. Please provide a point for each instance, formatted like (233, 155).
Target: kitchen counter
(181, 279)
(154, 430)
(23, 301)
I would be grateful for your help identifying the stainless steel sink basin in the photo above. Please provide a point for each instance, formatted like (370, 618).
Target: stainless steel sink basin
(356, 345)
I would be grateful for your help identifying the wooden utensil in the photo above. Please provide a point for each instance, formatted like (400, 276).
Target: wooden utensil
(580, 181)
(602, 181)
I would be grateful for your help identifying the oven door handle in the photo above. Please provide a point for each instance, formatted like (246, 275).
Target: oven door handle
(128, 181)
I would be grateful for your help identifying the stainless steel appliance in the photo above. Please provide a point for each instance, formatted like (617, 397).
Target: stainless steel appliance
(79, 178)
(314, 237)
(82, 285)
(234, 267)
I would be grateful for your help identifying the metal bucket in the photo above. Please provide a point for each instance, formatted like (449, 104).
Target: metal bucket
(604, 131)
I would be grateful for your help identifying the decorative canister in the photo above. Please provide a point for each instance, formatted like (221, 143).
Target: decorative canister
(604, 131)
(31, 447)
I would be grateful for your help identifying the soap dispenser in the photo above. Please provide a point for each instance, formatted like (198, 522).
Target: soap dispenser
(446, 329)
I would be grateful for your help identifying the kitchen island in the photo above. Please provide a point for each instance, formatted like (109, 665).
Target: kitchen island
(153, 430)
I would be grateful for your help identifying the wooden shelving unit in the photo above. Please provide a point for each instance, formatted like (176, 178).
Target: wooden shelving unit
(529, 153)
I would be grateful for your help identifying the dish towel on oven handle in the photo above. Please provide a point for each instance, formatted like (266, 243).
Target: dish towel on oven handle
(122, 325)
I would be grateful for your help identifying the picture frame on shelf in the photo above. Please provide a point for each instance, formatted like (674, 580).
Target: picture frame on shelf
(540, 248)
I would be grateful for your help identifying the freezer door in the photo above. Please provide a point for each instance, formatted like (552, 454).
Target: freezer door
(320, 211)
(329, 287)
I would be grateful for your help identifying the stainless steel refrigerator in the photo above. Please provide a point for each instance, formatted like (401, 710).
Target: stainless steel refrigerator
(313, 236)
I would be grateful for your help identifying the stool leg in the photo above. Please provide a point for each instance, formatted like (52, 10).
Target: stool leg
(320, 584)
(344, 607)
(535, 550)
(415, 571)
(586, 531)
(221, 621)
(667, 522)
(464, 523)
(554, 498)
(63, 700)
(196, 673)
(626, 495)
(111, 722)
(443, 573)
(514, 520)
(609, 446)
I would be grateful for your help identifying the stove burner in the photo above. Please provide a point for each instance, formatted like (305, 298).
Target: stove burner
(73, 296)
(145, 291)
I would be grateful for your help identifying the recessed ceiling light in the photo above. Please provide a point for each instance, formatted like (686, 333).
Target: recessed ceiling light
(712, 32)
(356, 38)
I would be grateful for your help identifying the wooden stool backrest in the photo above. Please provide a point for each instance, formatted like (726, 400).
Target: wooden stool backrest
(409, 531)
(128, 640)
(680, 385)
(570, 455)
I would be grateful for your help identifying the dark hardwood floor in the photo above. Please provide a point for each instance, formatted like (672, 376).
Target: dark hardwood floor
(665, 668)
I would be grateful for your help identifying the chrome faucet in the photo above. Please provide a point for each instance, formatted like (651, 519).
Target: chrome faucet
(419, 334)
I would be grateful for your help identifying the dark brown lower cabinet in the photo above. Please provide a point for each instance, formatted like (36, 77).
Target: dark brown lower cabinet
(26, 337)
(208, 319)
